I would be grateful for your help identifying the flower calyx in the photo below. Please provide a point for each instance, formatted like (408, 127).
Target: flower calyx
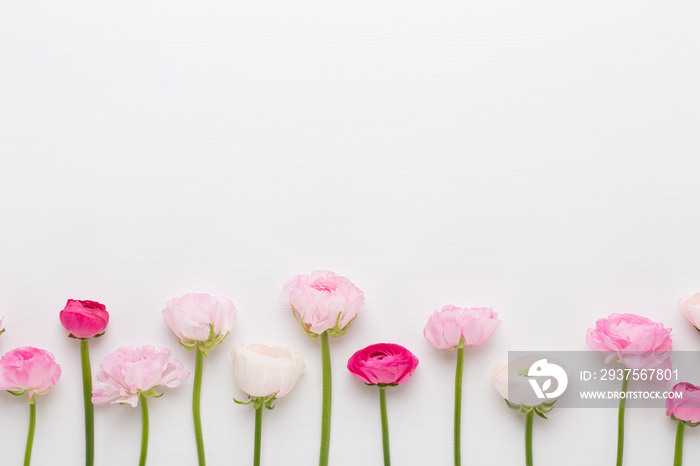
(540, 409)
(258, 401)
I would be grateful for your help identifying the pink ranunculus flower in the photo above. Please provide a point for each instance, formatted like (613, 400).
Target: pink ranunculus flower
(28, 370)
(383, 364)
(323, 301)
(84, 319)
(131, 371)
(691, 308)
(197, 318)
(453, 326)
(686, 407)
(266, 371)
(635, 341)
(2, 329)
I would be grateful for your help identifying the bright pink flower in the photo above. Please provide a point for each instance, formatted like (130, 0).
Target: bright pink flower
(323, 301)
(28, 370)
(635, 341)
(383, 363)
(130, 371)
(453, 326)
(687, 406)
(84, 319)
(200, 318)
(691, 308)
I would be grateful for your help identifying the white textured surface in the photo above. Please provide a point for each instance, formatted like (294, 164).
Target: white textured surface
(537, 157)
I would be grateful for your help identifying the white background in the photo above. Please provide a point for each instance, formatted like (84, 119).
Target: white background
(539, 157)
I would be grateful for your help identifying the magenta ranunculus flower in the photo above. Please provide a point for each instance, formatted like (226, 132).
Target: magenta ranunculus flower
(197, 318)
(383, 364)
(453, 326)
(84, 319)
(691, 308)
(685, 404)
(28, 370)
(131, 371)
(323, 301)
(635, 341)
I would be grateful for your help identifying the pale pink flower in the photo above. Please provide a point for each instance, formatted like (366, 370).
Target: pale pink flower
(383, 364)
(129, 371)
(200, 318)
(635, 341)
(691, 308)
(323, 301)
(453, 326)
(266, 371)
(28, 370)
(686, 407)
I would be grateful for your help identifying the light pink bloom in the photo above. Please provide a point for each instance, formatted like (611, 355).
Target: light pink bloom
(687, 407)
(454, 326)
(84, 319)
(28, 370)
(129, 371)
(200, 318)
(265, 371)
(691, 307)
(323, 301)
(2, 329)
(383, 363)
(635, 341)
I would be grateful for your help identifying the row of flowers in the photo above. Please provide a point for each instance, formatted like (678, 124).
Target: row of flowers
(324, 304)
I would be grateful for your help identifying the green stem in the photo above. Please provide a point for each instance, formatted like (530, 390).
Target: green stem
(458, 406)
(30, 434)
(385, 425)
(144, 429)
(529, 418)
(258, 434)
(196, 395)
(87, 403)
(678, 457)
(326, 409)
(621, 421)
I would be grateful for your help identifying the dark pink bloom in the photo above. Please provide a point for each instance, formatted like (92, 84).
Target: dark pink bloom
(687, 406)
(635, 341)
(383, 363)
(28, 370)
(84, 319)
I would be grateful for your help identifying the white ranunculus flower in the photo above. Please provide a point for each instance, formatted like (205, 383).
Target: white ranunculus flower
(691, 307)
(266, 371)
(514, 381)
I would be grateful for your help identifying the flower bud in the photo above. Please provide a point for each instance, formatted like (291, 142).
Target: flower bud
(84, 319)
